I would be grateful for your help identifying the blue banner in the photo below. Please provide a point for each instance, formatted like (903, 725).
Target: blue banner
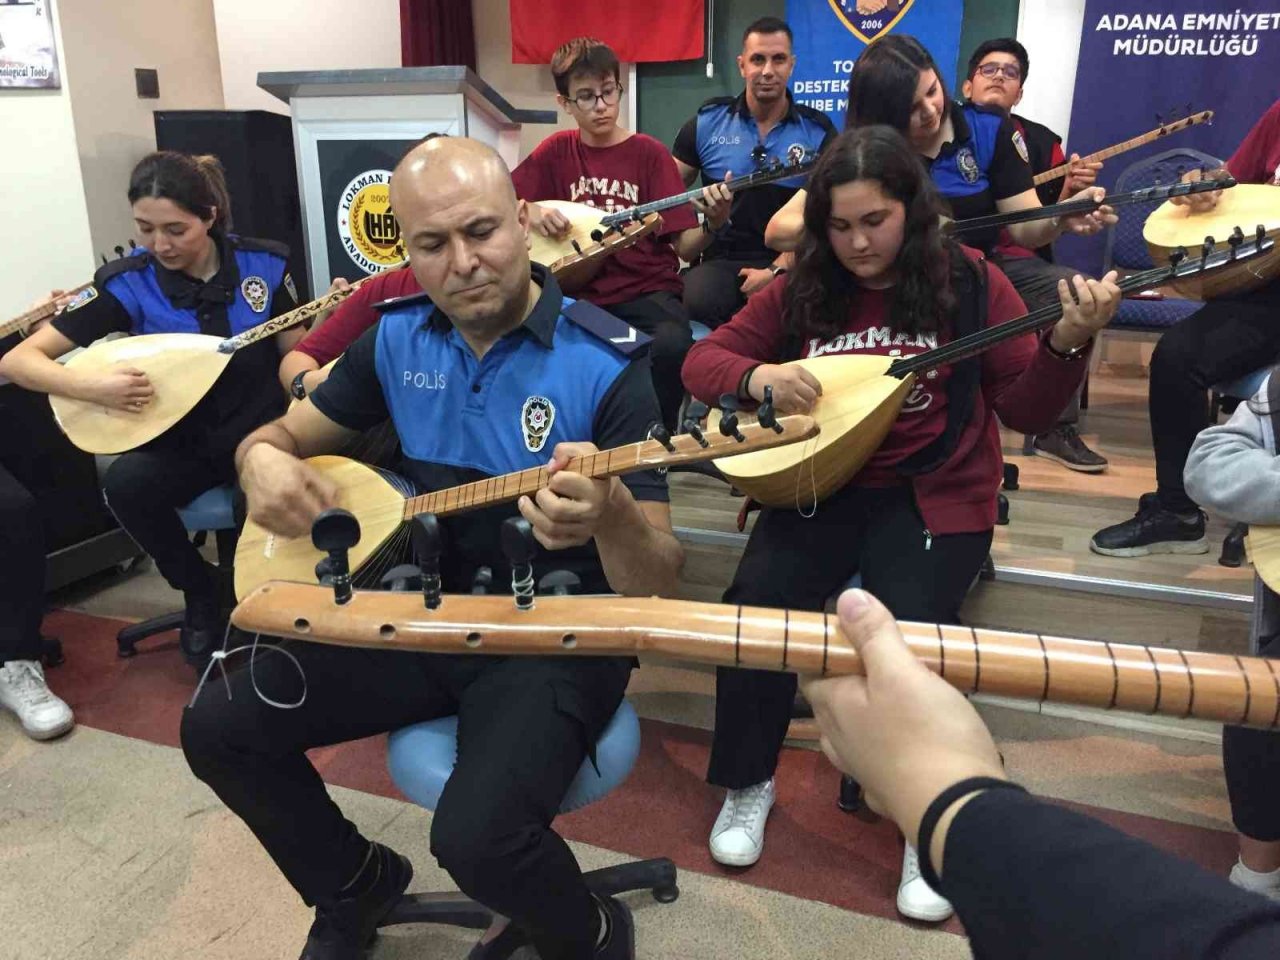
(830, 34)
(1143, 59)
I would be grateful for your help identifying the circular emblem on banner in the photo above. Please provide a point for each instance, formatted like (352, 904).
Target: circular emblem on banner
(255, 293)
(968, 165)
(536, 419)
(366, 225)
(1020, 145)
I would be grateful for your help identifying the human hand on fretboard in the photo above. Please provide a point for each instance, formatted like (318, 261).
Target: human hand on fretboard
(1200, 202)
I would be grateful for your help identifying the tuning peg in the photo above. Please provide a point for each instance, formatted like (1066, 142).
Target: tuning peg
(696, 410)
(765, 413)
(729, 417)
(335, 531)
(1259, 234)
(519, 546)
(560, 583)
(104, 258)
(694, 413)
(482, 581)
(133, 245)
(1234, 241)
(691, 427)
(660, 433)
(424, 531)
(1159, 120)
(1177, 256)
(403, 577)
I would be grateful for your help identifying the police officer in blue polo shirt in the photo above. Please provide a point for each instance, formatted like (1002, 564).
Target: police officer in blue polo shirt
(189, 276)
(493, 370)
(735, 135)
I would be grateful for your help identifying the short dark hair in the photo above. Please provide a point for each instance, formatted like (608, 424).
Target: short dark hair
(768, 25)
(583, 55)
(1000, 45)
(882, 86)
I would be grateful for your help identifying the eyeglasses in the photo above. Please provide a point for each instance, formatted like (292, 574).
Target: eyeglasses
(586, 100)
(1011, 71)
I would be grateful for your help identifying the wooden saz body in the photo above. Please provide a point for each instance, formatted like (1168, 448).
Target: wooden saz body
(1245, 205)
(181, 366)
(1263, 547)
(368, 493)
(567, 262)
(858, 407)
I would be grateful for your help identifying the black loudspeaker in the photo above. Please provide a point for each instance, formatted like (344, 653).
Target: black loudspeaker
(256, 150)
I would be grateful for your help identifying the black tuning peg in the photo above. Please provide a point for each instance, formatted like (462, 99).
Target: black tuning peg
(482, 581)
(519, 546)
(1177, 257)
(133, 245)
(335, 531)
(694, 412)
(1207, 247)
(1234, 241)
(729, 417)
(104, 258)
(1159, 120)
(766, 414)
(660, 433)
(424, 531)
(560, 583)
(403, 577)
(119, 251)
(1259, 234)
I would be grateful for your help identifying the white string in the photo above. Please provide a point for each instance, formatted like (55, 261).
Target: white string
(523, 589)
(220, 655)
(813, 483)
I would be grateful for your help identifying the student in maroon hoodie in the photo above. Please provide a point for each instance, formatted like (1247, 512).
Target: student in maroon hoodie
(876, 275)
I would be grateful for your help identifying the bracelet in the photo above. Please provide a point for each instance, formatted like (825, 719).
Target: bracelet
(941, 803)
(1075, 353)
(745, 389)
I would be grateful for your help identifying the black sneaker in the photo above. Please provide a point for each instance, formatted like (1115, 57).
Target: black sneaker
(344, 929)
(1064, 445)
(1153, 529)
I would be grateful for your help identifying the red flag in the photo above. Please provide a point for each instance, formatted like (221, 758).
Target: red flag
(638, 32)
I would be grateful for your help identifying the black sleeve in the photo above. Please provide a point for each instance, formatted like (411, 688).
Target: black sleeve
(685, 149)
(1009, 174)
(1030, 879)
(624, 415)
(93, 319)
(285, 297)
(352, 394)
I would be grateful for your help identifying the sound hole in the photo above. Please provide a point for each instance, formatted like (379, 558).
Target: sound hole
(473, 639)
(387, 631)
(568, 641)
(302, 625)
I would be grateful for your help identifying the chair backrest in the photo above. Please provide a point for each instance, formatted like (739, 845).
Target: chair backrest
(1125, 247)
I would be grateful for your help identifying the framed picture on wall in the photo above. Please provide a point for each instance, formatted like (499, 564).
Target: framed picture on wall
(28, 50)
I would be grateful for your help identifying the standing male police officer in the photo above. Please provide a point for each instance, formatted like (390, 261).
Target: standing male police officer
(512, 375)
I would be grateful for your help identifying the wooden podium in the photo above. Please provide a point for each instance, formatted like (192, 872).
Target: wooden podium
(350, 128)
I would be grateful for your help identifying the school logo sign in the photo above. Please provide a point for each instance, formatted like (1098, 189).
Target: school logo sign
(867, 19)
(367, 228)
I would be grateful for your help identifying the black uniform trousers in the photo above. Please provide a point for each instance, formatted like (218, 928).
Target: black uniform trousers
(22, 585)
(713, 289)
(144, 489)
(525, 725)
(1251, 761)
(662, 316)
(1222, 340)
(799, 563)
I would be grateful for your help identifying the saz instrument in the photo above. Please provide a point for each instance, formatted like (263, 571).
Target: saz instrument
(862, 395)
(575, 267)
(1263, 547)
(182, 367)
(587, 223)
(1154, 680)
(1057, 173)
(382, 502)
(25, 321)
(1087, 205)
(1171, 226)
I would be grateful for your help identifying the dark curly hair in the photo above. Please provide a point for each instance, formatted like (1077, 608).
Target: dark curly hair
(820, 290)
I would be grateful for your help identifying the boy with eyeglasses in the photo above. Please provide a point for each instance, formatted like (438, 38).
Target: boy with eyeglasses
(997, 71)
(606, 166)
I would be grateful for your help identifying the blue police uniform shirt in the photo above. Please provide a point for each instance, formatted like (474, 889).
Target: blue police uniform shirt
(138, 295)
(724, 138)
(985, 161)
(462, 419)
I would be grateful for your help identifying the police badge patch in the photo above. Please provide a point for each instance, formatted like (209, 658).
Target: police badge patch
(968, 165)
(87, 295)
(255, 292)
(1020, 145)
(536, 419)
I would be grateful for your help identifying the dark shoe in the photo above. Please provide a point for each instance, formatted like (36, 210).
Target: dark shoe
(203, 626)
(344, 929)
(1153, 529)
(505, 945)
(1064, 445)
(619, 938)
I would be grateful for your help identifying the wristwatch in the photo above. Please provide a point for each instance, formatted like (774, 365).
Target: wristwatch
(776, 270)
(296, 388)
(1075, 353)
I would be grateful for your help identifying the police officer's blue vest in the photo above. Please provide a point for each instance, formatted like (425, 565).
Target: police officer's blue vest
(138, 291)
(962, 172)
(728, 140)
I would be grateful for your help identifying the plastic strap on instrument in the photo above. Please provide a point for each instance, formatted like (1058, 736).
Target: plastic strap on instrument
(221, 655)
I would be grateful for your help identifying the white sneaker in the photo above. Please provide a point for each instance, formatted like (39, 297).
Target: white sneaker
(23, 691)
(737, 839)
(916, 899)
(1267, 884)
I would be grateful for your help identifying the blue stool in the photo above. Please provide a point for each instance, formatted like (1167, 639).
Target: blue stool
(212, 510)
(421, 759)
